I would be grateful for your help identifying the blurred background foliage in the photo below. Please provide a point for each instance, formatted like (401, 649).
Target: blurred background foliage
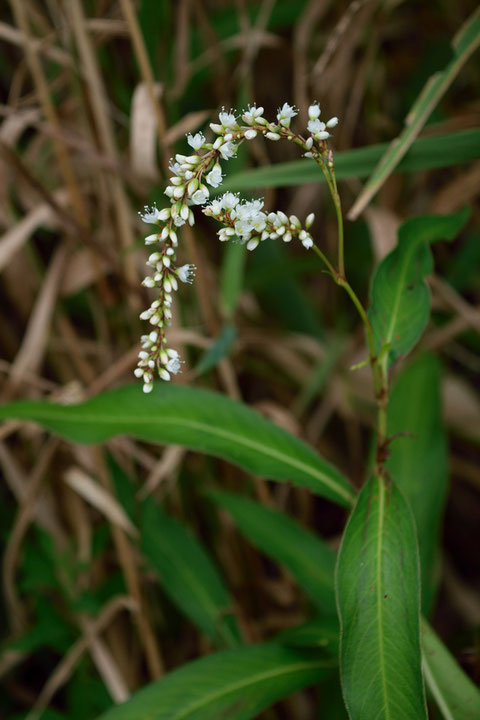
(95, 98)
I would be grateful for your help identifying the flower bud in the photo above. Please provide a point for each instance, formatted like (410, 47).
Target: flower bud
(192, 186)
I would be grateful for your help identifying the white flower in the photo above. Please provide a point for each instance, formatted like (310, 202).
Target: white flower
(227, 119)
(243, 228)
(173, 364)
(215, 208)
(196, 141)
(249, 217)
(186, 273)
(175, 167)
(200, 197)
(306, 239)
(228, 150)
(214, 177)
(253, 114)
(285, 114)
(252, 207)
(229, 201)
(151, 215)
(314, 111)
(224, 235)
(315, 126)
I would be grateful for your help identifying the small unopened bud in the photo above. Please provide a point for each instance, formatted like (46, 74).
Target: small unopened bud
(309, 220)
(192, 186)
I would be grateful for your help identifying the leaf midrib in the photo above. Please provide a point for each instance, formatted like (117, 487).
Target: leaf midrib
(226, 690)
(381, 639)
(240, 440)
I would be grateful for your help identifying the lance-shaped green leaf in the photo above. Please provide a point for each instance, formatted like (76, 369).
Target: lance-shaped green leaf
(310, 561)
(455, 694)
(235, 684)
(400, 305)
(440, 150)
(418, 458)
(464, 44)
(379, 602)
(188, 575)
(198, 419)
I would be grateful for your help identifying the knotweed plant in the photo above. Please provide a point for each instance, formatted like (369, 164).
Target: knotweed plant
(377, 575)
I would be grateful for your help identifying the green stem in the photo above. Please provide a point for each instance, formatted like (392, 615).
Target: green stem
(324, 258)
(380, 378)
(338, 210)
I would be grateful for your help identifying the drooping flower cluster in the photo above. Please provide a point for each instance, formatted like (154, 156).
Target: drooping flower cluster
(192, 176)
(246, 221)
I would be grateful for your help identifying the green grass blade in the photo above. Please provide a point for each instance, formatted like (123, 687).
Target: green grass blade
(235, 684)
(400, 305)
(378, 601)
(219, 350)
(418, 460)
(232, 276)
(430, 152)
(310, 561)
(188, 575)
(198, 419)
(464, 44)
(455, 694)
